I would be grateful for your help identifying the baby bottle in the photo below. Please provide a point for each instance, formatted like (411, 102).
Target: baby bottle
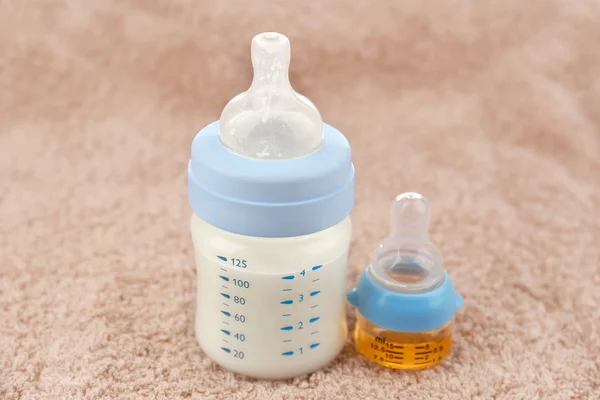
(405, 300)
(271, 187)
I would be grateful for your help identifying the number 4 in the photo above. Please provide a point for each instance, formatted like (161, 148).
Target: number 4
(303, 273)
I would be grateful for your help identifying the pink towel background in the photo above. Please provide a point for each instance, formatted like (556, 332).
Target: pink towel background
(490, 109)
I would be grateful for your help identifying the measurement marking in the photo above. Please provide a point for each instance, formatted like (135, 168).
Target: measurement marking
(316, 267)
(286, 290)
(224, 286)
(288, 340)
(288, 277)
(226, 279)
(288, 353)
(424, 352)
(287, 328)
(226, 295)
(287, 302)
(225, 322)
(225, 332)
(395, 352)
(226, 305)
(318, 279)
(420, 358)
(421, 363)
(222, 258)
(315, 306)
(286, 315)
(226, 313)
(223, 269)
(316, 292)
(225, 341)
(314, 332)
(225, 349)
(398, 347)
(395, 362)
(312, 346)
(315, 319)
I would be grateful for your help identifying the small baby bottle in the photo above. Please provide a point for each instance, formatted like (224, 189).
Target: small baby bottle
(405, 299)
(271, 187)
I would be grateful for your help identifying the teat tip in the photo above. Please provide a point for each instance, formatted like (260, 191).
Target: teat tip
(270, 53)
(270, 44)
(410, 215)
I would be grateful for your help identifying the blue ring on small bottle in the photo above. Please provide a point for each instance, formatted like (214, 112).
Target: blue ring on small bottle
(405, 312)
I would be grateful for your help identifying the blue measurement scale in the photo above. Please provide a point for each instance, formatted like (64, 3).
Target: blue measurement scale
(298, 303)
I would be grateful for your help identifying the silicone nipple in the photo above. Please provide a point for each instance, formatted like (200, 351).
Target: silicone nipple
(270, 120)
(407, 261)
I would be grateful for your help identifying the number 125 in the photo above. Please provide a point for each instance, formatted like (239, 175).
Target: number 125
(236, 262)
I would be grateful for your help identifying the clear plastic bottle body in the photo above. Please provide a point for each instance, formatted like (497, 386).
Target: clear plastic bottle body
(402, 350)
(271, 308)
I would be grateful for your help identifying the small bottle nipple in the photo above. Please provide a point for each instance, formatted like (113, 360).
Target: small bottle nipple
(410, 216)
(270, 120)
(407, 261)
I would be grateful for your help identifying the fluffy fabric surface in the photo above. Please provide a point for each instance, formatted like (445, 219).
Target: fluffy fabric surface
(490, 109)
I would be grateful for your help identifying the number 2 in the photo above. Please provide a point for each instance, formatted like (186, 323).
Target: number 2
(300, 325)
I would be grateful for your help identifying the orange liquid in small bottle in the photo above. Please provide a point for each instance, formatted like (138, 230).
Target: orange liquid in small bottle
(402, 350)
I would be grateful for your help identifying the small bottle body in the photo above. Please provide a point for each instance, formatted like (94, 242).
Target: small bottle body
(270, 308)
(402, 350)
